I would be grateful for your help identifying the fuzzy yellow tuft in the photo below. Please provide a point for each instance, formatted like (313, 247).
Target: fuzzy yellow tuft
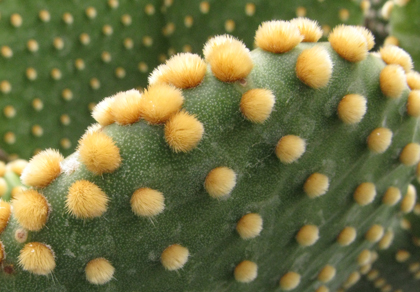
(375, 233)
(413, 103)
(316, 185)
(308, 235)
(37, 258)
(220, 182)
(102, 112)
(413, 80)
(391, 40)
(349, 42)
(256, 104)
(86, 200)
(414, 267)
(364, 257)
(246, 272)
(410, 155)
(159, 102)
(5, 211)
(392, 81)
(392, 196)
(290, 148)
(17, 166)
(184, 70)
(352, 279)
(405, 224)
(249, 226)
(365, 193)
(381, 283)
(379, 140)
(290, 281)
(309, 29)
(31, 210)
(157, 75)
(370, 39)
(126, 109)
(327, 274)
(347, 236)
(42, 169)
(322, 289)
(278, 36)
(365, 269)
(99, 271)
(386, 9)
(386, 240)
(91, 129)
(314, 67)
(99, 153)
(17, 191)
(373, 275)
(228, 57)
(394, 55)
(174, 257)
(352, 108)
(409, 200)
(401, 2)
(183, 132)
(147, 202)
(402, 256)
(373, 256)
(416, 209)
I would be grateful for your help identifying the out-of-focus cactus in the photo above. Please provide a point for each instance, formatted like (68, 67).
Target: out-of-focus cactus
(404, 24)
(283, 168)
(60, 58)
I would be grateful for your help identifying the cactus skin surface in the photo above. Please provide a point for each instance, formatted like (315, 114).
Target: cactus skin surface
(82, 52)
(274, 216)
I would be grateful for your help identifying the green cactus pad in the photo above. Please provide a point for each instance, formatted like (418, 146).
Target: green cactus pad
(285, 215)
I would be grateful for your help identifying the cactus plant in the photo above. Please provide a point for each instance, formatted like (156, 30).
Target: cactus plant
(84, 51)
(270, 170)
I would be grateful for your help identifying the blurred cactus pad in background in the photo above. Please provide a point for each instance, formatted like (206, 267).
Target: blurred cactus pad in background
(224, 150)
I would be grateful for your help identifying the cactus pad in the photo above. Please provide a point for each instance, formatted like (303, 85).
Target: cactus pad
(268, 175)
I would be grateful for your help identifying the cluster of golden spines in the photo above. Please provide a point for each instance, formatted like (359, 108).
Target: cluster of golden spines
(158, 104)
(161, 103)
